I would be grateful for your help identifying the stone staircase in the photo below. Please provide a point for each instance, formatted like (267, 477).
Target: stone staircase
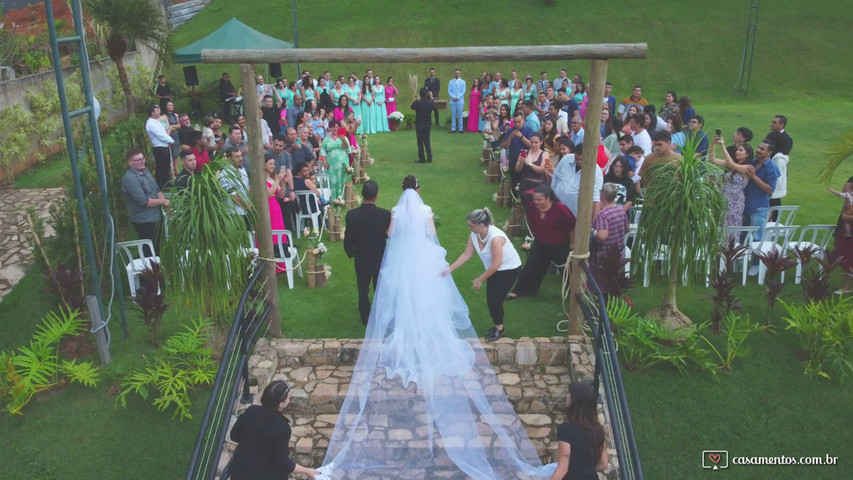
(180, 13)
(534, 373)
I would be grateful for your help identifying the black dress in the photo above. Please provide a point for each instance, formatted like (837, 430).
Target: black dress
(263, 451)
(581, 466)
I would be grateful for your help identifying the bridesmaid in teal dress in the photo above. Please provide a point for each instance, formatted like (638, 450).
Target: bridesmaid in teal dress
(380, 117)
(502, 92)
(308, 90)
(288, 95)
(368, 124)
(337, 91)
(516, 93)
(354, 94)
(335, 152)
(529, 89)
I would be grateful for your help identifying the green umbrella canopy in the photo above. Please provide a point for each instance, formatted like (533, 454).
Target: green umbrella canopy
(234, 34)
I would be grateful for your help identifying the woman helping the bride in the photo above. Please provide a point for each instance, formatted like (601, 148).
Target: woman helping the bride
(424, 401)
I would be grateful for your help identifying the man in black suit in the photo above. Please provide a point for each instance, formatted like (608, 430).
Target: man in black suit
(364, 239)
(423, 107)
(433, 84)
(780, 137)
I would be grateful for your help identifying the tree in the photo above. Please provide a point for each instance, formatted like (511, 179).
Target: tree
(837, 152)
(682, 219)
(129, 23)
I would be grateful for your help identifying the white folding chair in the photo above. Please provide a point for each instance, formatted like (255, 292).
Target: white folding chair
(285, 252)
(811, 236)
(630, 234)
(774, 238)
(324, 184)
(785, 215)
(309, 209)
(252, 249)
(134, 255)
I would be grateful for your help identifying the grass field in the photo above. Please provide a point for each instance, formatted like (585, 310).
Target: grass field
(765, 407)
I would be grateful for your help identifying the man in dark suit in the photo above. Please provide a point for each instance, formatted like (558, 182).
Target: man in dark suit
(364, 239)
(422, 107)
(433, 84)
(779, 136)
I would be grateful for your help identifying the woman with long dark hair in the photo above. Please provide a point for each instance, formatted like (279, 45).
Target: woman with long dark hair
(669, 106)
(618, 175)
(685, 109)
(474, 106)
(580, 439)
(263, 434)
(343, 108)
(735, 180)
(368, 125)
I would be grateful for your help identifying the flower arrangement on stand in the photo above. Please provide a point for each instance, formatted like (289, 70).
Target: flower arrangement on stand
(486, 156)
(493, 167)
(395, 120)
(317, 272)
(364, 154)
(333, 214)
(503, 197)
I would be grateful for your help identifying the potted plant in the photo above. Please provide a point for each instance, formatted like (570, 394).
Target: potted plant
(395, 119)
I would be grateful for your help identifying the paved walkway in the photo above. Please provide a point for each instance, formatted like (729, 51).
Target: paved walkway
(15, 249)
(534, 373)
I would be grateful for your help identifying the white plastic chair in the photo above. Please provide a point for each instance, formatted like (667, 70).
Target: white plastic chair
(743, 236)
(309, 209)
(812, 236)
(785, 215)
(630, 234)
(774, 238)
(133, 254)
(324, 184)
(284, 252)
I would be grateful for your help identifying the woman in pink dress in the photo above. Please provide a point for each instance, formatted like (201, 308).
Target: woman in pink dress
(390, 96)
(274, 191)
(474, 107)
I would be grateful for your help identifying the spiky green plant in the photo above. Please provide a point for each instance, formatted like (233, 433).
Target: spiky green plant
(205, 256)
(682, 220)
(37, 367)
(837, 152)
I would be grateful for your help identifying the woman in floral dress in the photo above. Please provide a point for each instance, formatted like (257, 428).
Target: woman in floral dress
(734, 180)
(334, 151)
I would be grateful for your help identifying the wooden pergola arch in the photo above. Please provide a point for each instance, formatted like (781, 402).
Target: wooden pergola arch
(599, 54)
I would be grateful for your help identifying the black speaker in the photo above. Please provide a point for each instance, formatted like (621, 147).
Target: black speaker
(190, 76)
(275, 71)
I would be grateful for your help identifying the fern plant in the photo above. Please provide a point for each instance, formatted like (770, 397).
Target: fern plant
(37, 367)
(735, 329)
(825, 331)
(182, 364)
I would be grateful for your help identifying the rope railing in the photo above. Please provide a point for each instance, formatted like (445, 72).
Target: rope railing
(252, 311)
(608, 375)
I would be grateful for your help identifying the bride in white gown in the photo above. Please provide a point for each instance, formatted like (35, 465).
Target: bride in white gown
(424, 401)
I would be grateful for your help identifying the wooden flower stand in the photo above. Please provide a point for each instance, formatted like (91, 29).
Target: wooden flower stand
(486, 156)
(493, 172)
(316, 274)
(504, 195)
(349, 196)
(335, 230)
(514, 221)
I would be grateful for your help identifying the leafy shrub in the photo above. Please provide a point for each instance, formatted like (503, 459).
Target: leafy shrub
(182, 364)
(825, 331)
(644, 343)
(735, 329)
(37, 367)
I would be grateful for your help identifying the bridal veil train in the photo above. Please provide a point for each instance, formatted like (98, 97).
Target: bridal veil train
(424, 401)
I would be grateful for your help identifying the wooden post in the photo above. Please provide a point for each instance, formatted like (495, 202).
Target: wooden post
(591, 140)
(258, 194)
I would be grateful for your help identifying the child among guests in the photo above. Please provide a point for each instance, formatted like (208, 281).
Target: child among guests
(848, 210)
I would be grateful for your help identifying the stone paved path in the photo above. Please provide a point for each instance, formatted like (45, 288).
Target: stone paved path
(15, 250)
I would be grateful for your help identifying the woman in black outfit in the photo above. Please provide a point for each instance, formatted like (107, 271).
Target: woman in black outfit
(263, 437)
(580, 439)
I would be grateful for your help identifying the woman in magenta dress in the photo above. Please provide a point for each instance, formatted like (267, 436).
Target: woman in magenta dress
(474, 107)
(390, 96)
(274, 191)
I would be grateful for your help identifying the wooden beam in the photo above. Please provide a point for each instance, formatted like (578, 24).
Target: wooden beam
(597, 51)
(258, 194)
(591, 140)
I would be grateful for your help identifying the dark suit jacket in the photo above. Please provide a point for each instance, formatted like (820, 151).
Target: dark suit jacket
(423, 111)
(433, 85)
(364, 237)
(263, 451)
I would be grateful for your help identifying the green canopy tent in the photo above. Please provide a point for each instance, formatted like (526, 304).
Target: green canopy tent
(234, 34)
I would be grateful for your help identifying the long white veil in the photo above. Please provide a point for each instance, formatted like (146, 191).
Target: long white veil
(424, 401)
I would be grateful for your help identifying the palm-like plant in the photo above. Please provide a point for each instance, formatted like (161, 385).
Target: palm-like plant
(683, 212)
(129, 23)
(837, 152)
(205, 255)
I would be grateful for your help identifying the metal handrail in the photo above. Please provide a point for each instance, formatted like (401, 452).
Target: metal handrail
(607, 369)
(211, 436)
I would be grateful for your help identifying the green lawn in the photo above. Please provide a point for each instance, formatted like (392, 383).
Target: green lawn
(765, 407)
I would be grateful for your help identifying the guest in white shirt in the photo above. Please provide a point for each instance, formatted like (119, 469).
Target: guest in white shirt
(160, 141)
